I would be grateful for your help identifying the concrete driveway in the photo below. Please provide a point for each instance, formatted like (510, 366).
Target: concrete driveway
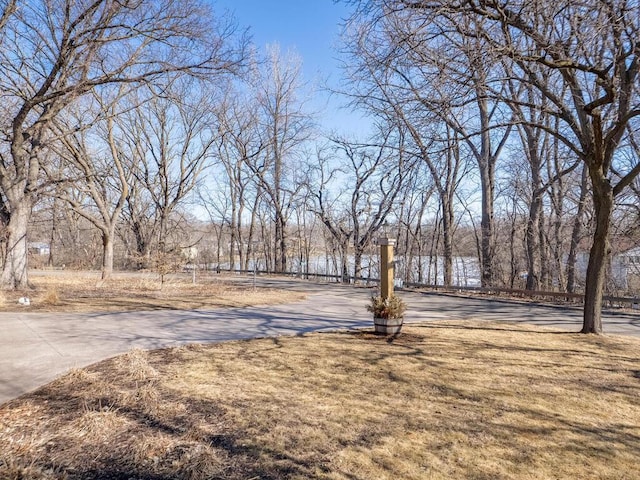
(38, 347)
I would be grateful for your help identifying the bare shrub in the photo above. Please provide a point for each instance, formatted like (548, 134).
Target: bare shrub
(136, 365)
(51, 296)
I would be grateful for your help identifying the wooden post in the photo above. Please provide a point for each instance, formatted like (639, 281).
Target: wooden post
(386, 266)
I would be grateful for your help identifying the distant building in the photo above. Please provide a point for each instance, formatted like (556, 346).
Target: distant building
(629, 263)
(39, 248)
(189, 253)
(631, 258)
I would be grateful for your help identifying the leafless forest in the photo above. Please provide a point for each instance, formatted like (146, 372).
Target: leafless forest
(504, 145)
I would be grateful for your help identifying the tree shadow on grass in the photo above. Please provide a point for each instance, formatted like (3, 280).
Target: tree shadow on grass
(200, 441)
(188, 450)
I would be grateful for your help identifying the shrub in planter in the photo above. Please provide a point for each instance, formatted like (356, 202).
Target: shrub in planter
(388, 313)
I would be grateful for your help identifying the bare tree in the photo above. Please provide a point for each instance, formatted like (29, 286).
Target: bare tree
(582, 57)
(238, 145)
(590, 52)
(439, 88)
(284, 127)
(102, 176)
(139, 215)
(168, 141)
(373, 178)
(540, 150)
(478, 118)
(329, 207)
(411, 215)
(54, 52)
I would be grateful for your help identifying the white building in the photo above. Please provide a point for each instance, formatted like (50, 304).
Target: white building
(39, 248)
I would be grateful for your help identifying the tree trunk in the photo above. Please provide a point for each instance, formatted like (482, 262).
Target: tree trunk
(447, 241)
(107, 255)
(278, 226)
(486, 166)
(599, 254)
(486, 228)
(558, 280)
(232, 245)
(14, 272)
(218, 247)
(533, 246)
(576, 234)
(52, 236)
(546, 266)
(421, 252)
(283, 251)
(281, 244)
(357, 263)
(307, 258)
(252, 226)
(267, 238)
(344, 256)
(142, 245)
(515, 267)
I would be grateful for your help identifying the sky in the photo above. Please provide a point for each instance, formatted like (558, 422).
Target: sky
(311, 28)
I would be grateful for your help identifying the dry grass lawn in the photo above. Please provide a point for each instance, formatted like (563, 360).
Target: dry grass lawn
(68, 291)
(447, 400)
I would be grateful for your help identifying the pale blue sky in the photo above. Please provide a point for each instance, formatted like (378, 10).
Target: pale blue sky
(311, 28)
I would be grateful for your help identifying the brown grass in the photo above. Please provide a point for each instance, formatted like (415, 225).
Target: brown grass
(84, 291)
(448, 400)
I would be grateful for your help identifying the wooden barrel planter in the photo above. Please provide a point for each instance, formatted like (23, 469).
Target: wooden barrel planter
(387, 326)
